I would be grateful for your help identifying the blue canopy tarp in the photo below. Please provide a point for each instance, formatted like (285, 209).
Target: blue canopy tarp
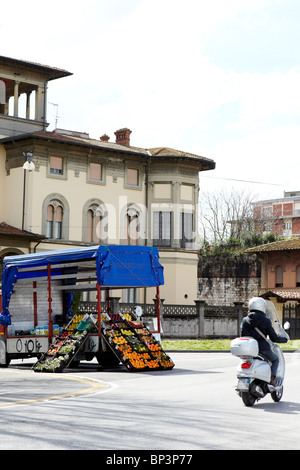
(116, 266)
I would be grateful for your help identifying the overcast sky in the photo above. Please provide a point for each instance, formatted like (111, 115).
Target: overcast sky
(212, 77)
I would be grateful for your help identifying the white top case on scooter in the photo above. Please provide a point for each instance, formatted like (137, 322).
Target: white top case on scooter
(244, 347)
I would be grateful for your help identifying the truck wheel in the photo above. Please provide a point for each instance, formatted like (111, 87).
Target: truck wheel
(6, 363)
(107, 359)
(74, 364)
(89, 356)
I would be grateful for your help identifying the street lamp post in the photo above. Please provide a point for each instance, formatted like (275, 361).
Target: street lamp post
(28, 166)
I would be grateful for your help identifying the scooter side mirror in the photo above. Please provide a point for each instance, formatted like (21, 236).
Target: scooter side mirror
(286, 325)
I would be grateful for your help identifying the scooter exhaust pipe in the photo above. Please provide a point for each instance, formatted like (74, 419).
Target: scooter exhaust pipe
(258, 392)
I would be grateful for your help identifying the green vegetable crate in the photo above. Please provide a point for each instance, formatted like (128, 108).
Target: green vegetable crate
(64, 348)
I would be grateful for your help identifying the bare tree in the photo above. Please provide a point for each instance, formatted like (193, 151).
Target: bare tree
(224, 214)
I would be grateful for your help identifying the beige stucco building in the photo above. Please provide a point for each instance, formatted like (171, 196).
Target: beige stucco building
(86, 191)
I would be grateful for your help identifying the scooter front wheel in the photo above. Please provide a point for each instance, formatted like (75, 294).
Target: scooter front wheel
(277, 395)
(248, 398)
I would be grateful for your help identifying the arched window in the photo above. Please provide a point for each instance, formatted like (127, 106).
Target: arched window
(55, 222)
(49, 221)
(58, 222)
(8, 252)
(93, 228)
(279, 276)
(132, 226)
(94, 222)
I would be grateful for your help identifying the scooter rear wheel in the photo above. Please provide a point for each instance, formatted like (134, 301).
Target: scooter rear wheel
(276, 396)
(248, 398)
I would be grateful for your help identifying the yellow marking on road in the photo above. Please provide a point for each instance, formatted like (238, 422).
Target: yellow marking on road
(95, 386)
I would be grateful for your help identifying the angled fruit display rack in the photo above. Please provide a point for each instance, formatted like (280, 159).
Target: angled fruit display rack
(134, 344)
(65, 347)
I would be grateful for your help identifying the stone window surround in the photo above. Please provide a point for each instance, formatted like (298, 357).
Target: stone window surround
(62, 176)
(137, 167)
(103, 172)
(61, 200)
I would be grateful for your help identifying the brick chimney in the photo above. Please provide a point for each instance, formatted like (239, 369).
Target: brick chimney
(123, 136)
(104, 138)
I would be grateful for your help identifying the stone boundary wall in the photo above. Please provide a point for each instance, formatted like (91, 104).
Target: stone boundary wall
(225, 291)
(223, 280)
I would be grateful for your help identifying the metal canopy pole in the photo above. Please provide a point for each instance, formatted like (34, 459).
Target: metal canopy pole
(158, 309)
(49, 303)
(99, 310)
(108, 300)
(35, 314)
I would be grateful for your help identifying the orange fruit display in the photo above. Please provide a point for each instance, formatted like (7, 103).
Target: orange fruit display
(154, 347)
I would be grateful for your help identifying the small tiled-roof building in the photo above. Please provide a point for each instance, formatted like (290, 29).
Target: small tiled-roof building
(280, 265)
(280, 270)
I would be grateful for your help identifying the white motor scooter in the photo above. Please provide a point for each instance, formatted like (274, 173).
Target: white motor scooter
(254, 370)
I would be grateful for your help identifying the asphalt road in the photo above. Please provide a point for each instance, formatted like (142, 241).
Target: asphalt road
(192, 407)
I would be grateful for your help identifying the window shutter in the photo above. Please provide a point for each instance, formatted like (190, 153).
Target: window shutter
(56, 164)
(50, 213)
(95, 171)
(132, 177)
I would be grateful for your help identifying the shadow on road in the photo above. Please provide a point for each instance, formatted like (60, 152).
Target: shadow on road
(283, 407)
(87, 367)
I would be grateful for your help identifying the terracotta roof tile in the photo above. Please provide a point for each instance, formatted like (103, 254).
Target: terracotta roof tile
(7, 230)
(168, 152)
(112, 146)
(281, 245)
(283, 294)
(51, 72)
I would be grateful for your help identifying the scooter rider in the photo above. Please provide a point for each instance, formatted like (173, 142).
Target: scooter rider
(257, 320)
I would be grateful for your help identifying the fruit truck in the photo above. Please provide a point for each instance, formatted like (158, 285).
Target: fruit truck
(37, 296)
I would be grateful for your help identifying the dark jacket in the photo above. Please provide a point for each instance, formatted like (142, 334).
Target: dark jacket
(263, 323)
